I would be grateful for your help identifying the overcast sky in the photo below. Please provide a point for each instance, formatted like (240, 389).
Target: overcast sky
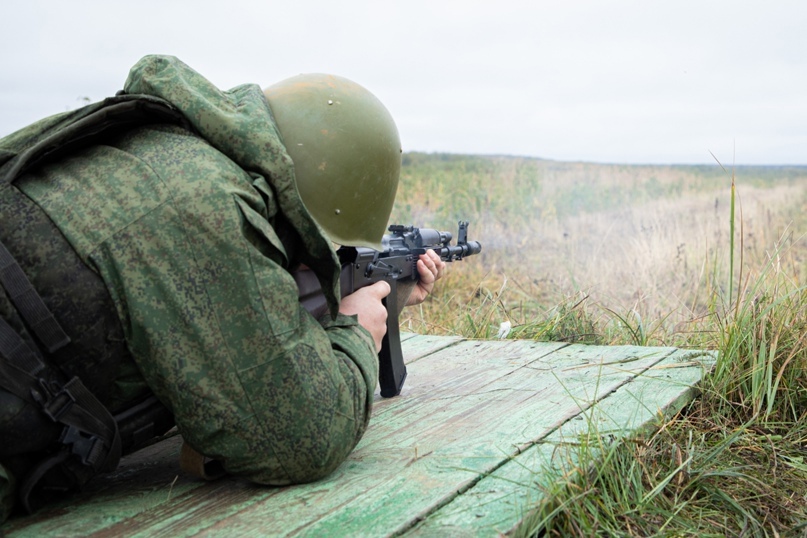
(606, 81)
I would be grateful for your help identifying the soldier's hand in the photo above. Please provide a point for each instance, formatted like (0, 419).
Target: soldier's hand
(430, 268)
(366, 303)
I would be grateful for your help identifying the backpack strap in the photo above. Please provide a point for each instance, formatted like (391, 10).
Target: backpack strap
(114, 114)
(90, 433)
(90, 441)
(29, 304)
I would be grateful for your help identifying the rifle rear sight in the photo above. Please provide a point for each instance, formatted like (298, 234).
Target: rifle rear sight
(411, 240)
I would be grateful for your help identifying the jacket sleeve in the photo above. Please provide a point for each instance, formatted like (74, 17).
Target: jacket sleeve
(180, 236)
(252, 378)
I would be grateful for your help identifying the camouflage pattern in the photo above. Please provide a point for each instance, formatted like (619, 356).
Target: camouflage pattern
(183, 227)
(79, 300)
(74, 294)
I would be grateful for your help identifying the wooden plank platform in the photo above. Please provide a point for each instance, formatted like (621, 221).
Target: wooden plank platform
(464, 451)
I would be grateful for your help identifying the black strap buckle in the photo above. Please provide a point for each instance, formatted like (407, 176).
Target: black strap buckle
(53, 405)
(85, 447)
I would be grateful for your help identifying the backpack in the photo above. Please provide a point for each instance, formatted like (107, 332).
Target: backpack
(60, 339)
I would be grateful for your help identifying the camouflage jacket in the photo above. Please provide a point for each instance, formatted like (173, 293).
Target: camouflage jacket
(182, 226)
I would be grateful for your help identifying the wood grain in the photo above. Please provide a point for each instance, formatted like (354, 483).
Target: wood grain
(464, 450)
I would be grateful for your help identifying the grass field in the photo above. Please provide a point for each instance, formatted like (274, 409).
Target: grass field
(705, 257)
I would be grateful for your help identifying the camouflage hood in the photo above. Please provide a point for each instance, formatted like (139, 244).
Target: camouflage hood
(239, 124)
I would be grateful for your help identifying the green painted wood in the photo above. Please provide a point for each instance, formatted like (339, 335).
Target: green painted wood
(406, 336)
(489, 401)
(419, 345)
(470, 411)
(497, 503)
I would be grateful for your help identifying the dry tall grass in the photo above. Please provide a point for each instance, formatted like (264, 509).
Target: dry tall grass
(651, 241)
(644, 255)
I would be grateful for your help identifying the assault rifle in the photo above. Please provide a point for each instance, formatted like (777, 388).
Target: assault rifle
(397, 264)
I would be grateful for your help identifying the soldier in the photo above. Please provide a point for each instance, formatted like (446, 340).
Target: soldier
(146, 250)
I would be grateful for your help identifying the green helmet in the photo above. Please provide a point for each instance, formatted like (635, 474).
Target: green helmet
(346, 153)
